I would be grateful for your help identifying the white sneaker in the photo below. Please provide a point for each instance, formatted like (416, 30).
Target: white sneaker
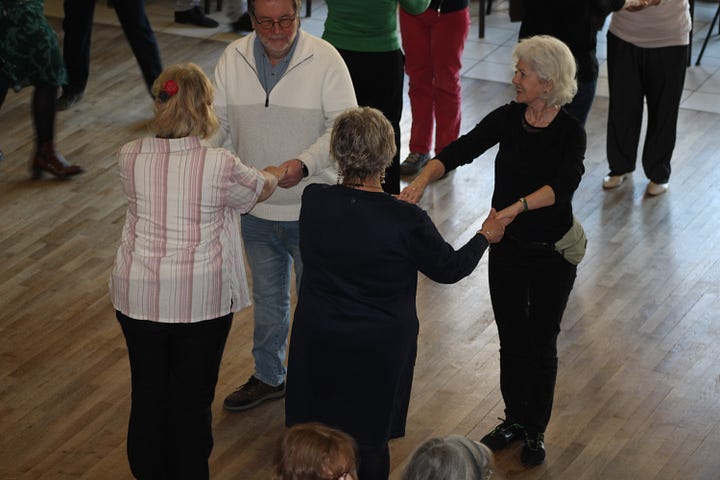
(614, 181)
(654, 189)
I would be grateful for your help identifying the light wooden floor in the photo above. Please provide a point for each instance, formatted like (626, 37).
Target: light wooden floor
(638, 394)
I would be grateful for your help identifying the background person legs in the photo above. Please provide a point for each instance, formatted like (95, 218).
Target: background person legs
(625, 110)
(141, 38)
(77, 25)
(665, 70)
(378, 81)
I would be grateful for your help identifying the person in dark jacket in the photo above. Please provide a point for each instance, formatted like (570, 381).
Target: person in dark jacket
(354, 337)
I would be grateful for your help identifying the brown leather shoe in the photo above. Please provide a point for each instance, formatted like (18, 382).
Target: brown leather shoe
(48, 160)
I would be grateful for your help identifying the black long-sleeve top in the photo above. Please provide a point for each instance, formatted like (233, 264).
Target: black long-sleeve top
(528, 159)
(575, 22)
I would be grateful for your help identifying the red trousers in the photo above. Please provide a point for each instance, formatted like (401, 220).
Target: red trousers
(433, 45)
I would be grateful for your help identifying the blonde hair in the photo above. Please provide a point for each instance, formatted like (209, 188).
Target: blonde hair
(553, 62)
(313, 451)
(362, 142)
(189, 112)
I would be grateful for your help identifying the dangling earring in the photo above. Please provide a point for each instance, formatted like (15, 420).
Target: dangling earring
(382, 178)
(339, 176)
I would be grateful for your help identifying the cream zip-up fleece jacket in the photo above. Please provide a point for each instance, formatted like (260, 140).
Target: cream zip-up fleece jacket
(293, 121)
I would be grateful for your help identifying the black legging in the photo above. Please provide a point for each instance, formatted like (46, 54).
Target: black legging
(43, 110)
(374, 462)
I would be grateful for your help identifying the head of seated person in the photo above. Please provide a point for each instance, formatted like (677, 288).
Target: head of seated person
(451, 458)
(313, 451)
(183, 103)
(363, 144)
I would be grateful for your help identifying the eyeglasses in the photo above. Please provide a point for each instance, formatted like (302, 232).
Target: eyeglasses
(269, 23)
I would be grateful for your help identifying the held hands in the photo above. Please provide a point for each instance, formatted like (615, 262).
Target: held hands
(277, 172)
(492, 228)
(637, 5)
(413, 192)
(293, 173)
(432, 171)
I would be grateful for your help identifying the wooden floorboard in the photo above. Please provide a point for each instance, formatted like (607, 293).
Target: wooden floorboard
(638, 390)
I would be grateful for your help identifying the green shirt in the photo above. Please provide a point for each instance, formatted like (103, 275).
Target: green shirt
(367, 25)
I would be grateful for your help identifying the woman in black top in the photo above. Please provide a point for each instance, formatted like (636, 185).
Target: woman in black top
(354, 336)
(537, 169)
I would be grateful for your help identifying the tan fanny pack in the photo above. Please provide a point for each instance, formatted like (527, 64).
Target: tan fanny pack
(573, 244)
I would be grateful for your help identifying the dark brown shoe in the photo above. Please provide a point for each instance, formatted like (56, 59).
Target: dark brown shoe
(195, 16)
(48, 160)
(253, 393)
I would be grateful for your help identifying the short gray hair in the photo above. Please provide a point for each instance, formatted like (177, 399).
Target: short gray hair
(452, 458)
(251, 6)
(362, 142)
(553, 62)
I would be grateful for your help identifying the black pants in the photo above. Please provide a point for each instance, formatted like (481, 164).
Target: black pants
(378, 81)
(174, 371)
(529, 290)
(77, 26)
(42, 108)
(635, 74)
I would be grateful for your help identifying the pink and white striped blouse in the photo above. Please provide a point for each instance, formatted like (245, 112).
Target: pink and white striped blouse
(180, 255)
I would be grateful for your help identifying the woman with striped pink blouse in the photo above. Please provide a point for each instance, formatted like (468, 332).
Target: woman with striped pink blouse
(179, 273)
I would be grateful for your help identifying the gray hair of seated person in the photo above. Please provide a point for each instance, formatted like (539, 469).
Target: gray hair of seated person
(251, 6)
(553, 62)
(452, 458)
(362, 143)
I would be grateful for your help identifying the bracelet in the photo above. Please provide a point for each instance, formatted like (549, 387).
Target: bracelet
(524, 204)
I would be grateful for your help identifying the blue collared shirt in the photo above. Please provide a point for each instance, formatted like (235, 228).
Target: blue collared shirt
(270, 74)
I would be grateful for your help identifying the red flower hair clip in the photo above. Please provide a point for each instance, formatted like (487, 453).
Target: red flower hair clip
(169, 90)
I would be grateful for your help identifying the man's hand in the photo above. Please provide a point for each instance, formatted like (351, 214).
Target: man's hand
(293, 173)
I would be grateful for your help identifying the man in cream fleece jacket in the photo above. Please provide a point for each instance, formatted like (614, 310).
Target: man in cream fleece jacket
(277, 94)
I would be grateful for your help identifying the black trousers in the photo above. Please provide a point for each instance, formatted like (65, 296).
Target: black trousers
(42, 108)
(174, 371)
(529, 290)
(77, 26)
(635, 75)
(378, 81)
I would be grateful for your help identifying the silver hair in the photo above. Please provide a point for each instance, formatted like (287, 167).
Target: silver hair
(362, 142)
(251, 6)
(553, 62)
(452, 458)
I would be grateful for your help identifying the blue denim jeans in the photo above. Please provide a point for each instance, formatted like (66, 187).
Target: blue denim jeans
(271, 247)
